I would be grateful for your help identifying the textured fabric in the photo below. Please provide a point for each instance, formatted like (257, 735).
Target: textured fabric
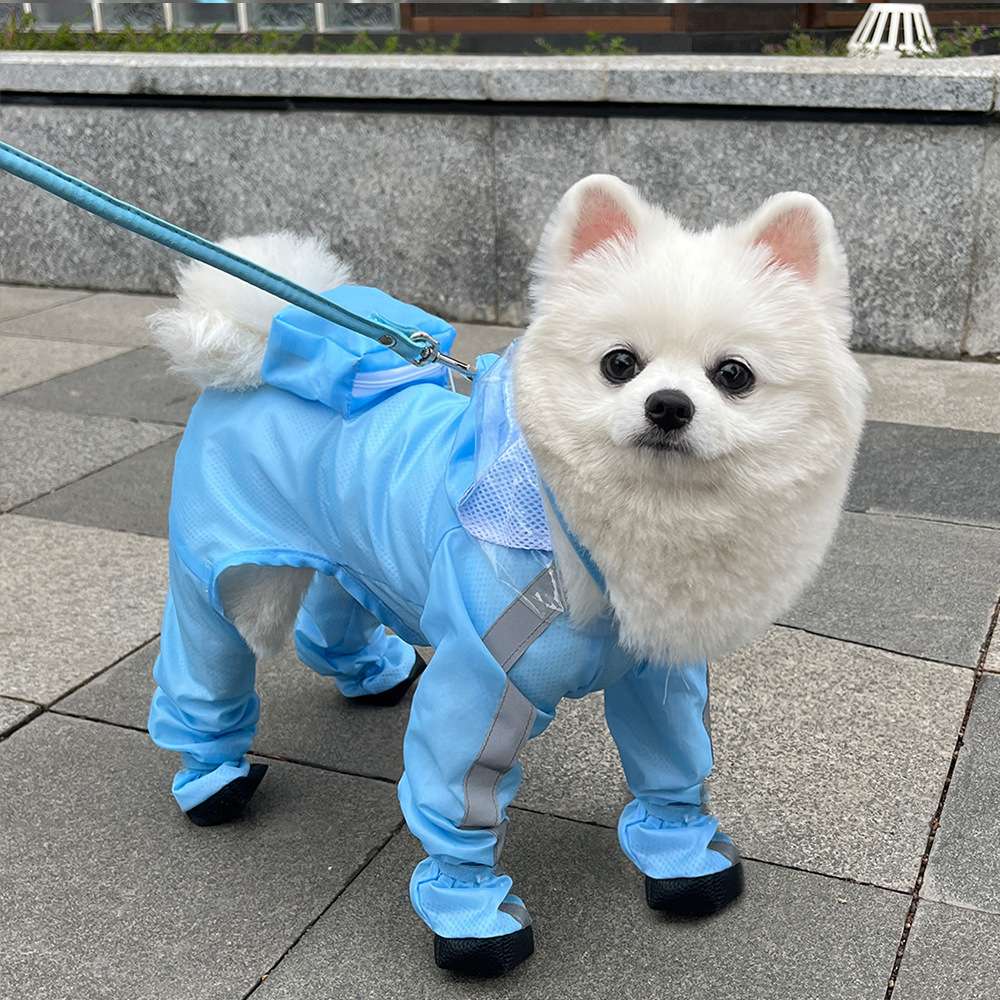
(503, 505)
(339, 638)
(419, 510)
(476, 906)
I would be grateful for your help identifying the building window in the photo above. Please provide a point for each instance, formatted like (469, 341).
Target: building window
(79, 16)
(228, 16)
(348, 16)
(282, 16)
(139, 16)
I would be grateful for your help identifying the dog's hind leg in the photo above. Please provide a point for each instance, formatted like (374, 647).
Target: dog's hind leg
(339, 638)
(205, 706)
(659, 717)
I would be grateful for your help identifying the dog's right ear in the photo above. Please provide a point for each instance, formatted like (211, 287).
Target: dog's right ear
(597, 211)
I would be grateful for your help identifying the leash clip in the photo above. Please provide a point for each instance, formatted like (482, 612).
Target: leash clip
(433, 353)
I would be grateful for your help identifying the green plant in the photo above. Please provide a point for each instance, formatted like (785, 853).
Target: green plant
(959, 41)
(20, 33)
(801, 43)
(595, 45)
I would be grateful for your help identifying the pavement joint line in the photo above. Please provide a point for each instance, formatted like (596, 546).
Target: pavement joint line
(76, 371)
(280, 758)
(22, 722)
(85, 294)
(596, 824)
(371, 856)
(23, 700)
(72, 371)
(103, 670)
(878, 649)
(745, 857)
(921, 517)
(935, 822)
(92, 472)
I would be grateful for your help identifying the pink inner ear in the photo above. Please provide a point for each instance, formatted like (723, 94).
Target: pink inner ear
(791, 239)
(601, 219)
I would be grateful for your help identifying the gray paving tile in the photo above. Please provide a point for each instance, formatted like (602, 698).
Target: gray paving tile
(41, 451)
(131, 495)
(951, 954)
(594, 936)
(964, 866)
(13, 713)
(915, 587)
(20, 300)
(136, 385)
(24, 361)
(302, 716)
(958, 394)
(931, 472)
(105, 318)
(74, 601)
(109, 892)
(829, 756)
(993, 653)
(475, 338)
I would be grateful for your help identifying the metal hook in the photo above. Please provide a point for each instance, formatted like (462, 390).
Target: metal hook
(434, 353)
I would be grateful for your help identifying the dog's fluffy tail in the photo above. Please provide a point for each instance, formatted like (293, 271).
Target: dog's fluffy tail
(217, 333)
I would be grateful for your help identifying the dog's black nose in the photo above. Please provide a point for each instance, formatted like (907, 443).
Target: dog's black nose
(669, 409)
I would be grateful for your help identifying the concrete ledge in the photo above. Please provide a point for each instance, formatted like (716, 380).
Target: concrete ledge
(437, 184)
(767, 81)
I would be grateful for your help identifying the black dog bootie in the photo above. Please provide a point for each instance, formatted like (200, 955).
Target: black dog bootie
(695, 897)
(484, 957)
(228, 802)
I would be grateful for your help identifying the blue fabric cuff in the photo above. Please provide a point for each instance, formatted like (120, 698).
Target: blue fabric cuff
(192, 786)
(662, 848)
(455, 908)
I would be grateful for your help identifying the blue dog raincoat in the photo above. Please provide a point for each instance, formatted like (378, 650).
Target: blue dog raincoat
(420, 510)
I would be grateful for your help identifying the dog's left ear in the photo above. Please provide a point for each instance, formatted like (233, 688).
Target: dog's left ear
(798, 233)
(597, 211)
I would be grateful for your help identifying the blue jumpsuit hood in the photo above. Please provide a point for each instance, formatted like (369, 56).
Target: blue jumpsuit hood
(420, 510)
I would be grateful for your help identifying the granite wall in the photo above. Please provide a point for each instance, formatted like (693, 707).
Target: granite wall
(435, 176)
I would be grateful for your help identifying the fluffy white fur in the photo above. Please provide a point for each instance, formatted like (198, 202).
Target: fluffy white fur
(262, 602)
(701, 551)
(217, 334)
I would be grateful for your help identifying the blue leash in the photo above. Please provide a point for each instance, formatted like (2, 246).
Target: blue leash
(415, 346)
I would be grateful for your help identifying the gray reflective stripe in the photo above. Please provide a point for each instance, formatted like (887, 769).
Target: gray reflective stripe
(706, 721)
(524, 619)
(518, 912)
(508, 733)
(727, 849)
(706, 712)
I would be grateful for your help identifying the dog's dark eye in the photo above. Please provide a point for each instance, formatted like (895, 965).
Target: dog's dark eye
(733, 376)
(619, 365)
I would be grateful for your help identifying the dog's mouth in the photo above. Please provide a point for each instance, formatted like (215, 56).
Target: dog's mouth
(657, 440)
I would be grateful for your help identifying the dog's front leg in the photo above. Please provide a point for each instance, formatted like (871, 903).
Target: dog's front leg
(659, 718)
(467, 724)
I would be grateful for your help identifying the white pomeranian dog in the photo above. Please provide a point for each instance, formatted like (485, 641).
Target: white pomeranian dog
(643, 482)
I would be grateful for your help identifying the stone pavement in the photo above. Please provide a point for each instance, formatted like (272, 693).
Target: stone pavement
(858, 743)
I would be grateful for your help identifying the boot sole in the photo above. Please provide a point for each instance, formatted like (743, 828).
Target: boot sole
(484, 958)
(695, 897)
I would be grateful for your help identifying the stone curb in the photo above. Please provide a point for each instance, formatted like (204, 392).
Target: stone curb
(952, 85)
